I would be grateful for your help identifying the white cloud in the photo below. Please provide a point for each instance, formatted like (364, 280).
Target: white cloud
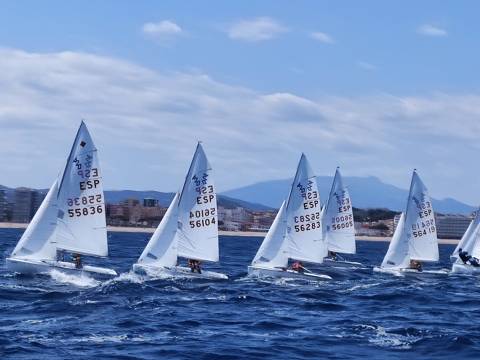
(254, 30)
(146, 125)
(366, 65)
(162, 30)
(322, 37)
(431, 30)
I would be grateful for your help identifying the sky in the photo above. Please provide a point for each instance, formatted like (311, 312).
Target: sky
(375, 87)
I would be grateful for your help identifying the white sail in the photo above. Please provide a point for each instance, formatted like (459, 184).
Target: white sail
(420, 226)
(337, 219)
(273, 253)
(81, 209)
(397, 256)
(162, 248)
(37, 240)
(304, 227)
(468, 240)
(197, 228)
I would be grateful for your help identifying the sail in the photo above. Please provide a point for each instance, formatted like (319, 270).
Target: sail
(273, 252)
(37, 240)
(162, 249)
(337, 219)
(197, 227)
(397, 256)
(420, 226)
(468, 239)
(304, 227)
(81, 208)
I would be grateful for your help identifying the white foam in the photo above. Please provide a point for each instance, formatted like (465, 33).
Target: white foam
(81, 280)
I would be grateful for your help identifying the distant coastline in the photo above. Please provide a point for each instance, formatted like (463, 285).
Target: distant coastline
(9, 225)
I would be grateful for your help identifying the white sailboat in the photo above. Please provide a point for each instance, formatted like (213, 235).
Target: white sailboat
(296, 232)
(415, 238)
(189, 228)
(470, 243)
(338, 224)
(71, 218)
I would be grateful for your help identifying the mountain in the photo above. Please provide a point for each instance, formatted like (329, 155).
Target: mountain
(115, 196)
(366, 192)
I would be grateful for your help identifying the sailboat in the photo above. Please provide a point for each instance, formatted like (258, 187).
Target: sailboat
(189, 228)
(470, 243)
(415, 238)
(71, 218)
(338, 224)
(296, 232)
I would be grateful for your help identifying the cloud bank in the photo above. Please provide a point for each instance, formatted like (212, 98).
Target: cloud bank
(146, 125)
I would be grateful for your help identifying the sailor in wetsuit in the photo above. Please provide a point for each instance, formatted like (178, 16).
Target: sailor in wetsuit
(77, 260)
(194, 265)
(474, 261)
(332, 255)
(416, 265)
(298, 267)
(463, 255)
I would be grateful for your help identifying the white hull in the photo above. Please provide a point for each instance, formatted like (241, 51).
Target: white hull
(404, 271)
(465, 269)
(31, 267)
(280, 273)
(177, 271)
(340, 263)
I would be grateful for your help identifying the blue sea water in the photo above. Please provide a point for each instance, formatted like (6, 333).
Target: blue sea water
(360, 314)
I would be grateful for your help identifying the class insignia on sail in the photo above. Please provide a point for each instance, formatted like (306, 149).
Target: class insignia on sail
(71, 218)
(189, 229)
(296, 232)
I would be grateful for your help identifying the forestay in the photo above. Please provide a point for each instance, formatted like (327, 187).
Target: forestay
(304, 228)
(397, 256)
(37, 242)
(420, 223)
(337, 219)
(273, 253)
(81, 209)
(162, 248)
(198, 231)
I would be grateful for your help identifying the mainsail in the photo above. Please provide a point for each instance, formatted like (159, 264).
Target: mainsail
(337, 219)
(81, 226)
(197, 215)
(304, 227)
(273, 253)
(161, 250)
(420, 226)
(397, 256)
(470, 240)
(37, 240)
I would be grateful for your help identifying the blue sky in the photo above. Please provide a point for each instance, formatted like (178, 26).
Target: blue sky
(374, 86)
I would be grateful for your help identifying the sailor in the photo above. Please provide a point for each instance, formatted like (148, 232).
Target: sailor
(416, 265)
(474, 261)
(194, 266)
(332, 255)
(298, 267)
(77, 260)
(463, 255)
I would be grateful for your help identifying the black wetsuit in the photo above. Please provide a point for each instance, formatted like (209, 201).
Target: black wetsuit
(474, 262)
(463, 255)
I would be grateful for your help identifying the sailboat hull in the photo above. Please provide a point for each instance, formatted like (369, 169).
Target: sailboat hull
(31, 267)
(257, 271)
(177, 271)
(404, 271)
(465, 269)
(340, 263)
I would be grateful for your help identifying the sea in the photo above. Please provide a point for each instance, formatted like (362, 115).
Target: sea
(359, 314)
